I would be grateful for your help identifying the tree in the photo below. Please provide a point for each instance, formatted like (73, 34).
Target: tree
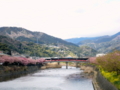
(110, 62)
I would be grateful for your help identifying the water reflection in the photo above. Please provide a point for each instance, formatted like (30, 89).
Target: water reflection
(50, 79)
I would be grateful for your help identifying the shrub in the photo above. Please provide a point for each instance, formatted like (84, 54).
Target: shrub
(110, 62)
(112, 77)
(92, 60)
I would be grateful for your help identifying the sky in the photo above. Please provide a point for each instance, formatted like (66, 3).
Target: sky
(63, 18)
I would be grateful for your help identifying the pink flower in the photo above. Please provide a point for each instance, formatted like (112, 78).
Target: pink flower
(92, 59)
(40, 60)
(2, 60)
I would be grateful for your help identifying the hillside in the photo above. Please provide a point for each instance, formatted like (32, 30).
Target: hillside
(103, 44)
(36, 43)
(11, 46)
(78, 41)
(85, 51)
(22, 34)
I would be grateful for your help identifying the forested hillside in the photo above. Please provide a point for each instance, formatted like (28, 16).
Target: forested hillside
(26, 48)
(103, 44)
(40, 44)
(22, 34)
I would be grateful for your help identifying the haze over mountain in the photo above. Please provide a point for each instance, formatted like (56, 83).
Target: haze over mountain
(102, 44)
(77, 40)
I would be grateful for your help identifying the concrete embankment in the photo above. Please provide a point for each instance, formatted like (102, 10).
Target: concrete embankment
(104, 83)
(11, 72)
(99, 82)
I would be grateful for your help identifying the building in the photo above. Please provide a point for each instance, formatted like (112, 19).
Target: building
(100, 54)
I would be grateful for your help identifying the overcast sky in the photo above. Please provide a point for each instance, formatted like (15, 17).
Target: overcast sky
(63, 18)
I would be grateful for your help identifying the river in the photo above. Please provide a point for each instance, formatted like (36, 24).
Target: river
(50, 79)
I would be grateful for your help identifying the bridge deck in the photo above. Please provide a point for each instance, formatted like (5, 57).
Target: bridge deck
(67, 60)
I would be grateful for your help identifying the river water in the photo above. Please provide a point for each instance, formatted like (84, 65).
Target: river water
(50, 79)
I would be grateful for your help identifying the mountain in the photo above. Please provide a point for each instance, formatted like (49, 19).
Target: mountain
(37, 43)
(84, 51)
(77, 41)
(103, 44)
(14, 47)
(22, 34)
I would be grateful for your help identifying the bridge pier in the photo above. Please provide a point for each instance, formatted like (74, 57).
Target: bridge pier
(76, 64)
(66, 65)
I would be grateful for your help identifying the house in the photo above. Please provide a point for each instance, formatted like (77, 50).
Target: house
(1, 53)
(100, 54)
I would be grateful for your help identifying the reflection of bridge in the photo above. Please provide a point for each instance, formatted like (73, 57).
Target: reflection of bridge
(77, 60)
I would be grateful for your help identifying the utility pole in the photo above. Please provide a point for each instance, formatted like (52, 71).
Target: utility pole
(37, 45)
(37, 40)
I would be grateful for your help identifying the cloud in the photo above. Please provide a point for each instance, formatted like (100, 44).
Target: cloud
(63, 18)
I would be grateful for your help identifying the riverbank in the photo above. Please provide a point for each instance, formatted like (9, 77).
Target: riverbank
(11, 72)
(99, 82)
(51, 65)
(56, 65)
(90, 72)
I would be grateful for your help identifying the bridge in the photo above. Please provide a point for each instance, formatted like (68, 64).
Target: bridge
(76, 60)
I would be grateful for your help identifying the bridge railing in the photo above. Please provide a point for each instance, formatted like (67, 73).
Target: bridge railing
(65, 60)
